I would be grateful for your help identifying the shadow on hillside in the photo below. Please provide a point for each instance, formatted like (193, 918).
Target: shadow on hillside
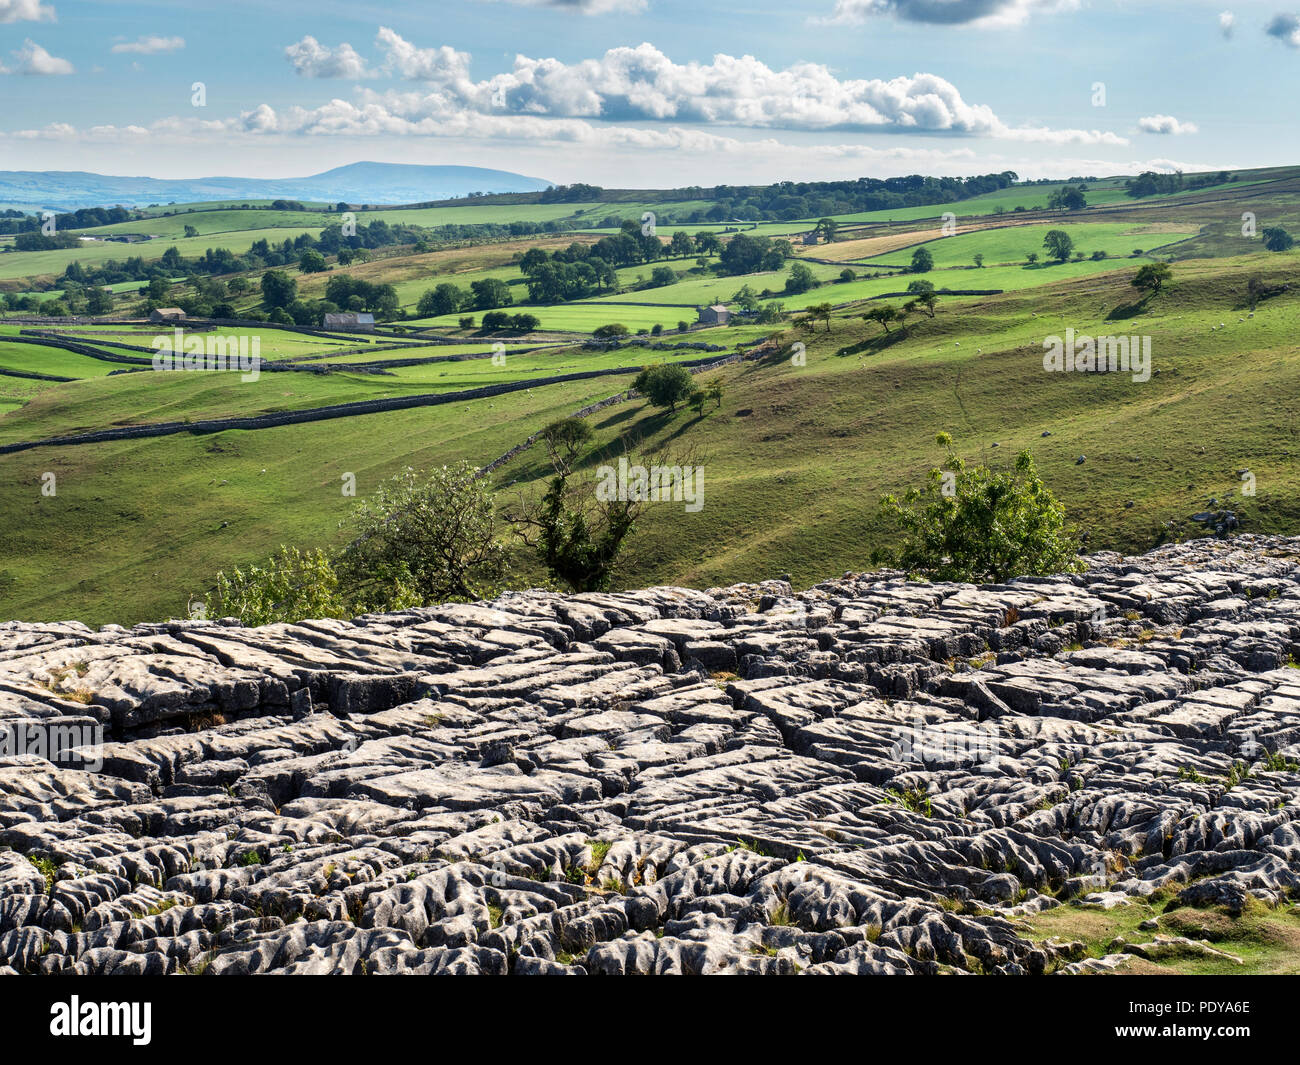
(1128, 310)
(874, 345)
(687, 423)
(653, 421)
(622, 413)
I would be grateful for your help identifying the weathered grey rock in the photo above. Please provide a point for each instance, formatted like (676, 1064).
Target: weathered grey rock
(873, 776)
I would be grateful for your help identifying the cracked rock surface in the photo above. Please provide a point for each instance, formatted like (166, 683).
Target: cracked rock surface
(872, 776)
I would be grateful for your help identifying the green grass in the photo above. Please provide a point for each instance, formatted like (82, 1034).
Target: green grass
(37, 358)
(148, 396)
(795, 460)
(136, 526)
(1012, 243)
(273, 343)
(16, 391)
(1267, 941)
(24, 264)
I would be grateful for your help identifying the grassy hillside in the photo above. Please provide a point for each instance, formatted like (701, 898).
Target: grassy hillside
(794, 462)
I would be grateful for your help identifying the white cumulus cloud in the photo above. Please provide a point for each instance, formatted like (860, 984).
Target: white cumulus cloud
(640, 84)
(1165, 124)
(25, 11)
(311, 59)
(1227, 23)
(441, 64)
(33, 59)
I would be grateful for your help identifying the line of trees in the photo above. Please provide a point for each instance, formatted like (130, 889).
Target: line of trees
(813, 199)
(1150, 183)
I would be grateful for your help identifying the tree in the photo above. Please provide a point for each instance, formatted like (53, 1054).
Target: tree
(431, 538)
(99, 301)
(312, 262)
(1277, 239)
(920, 285)
(291, 586)
(745, 298)
(278, 289)
(979, 260)
(922, 261)
(610, 332)
(1151, 277)
(847, 275)
(446, 298)
(565, 438)
(707, 243)
(745, 254)
(1067, 198)
(1058, 244)
(822, 311)
(490, 293)
(664, 386)
(681, 246)
(661, 276)
(801, 279)
(1031, 258)
(980, 525)
(826, 228)
(928, 300)
(577, 535)
(882, 315)
(533, 259)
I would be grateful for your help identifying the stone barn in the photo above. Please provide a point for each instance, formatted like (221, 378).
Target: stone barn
(350, 322)
(715, 315)
(167, 314)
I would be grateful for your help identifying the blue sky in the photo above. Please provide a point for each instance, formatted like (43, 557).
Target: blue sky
(649, 92)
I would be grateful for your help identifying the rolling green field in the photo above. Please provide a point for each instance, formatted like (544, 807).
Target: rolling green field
(37, 358)
(136, 526)
(584, 316)
(209, 222)
(796, 459)
(147, 396)
(794, 462)
(1012, 244)
(16, 264)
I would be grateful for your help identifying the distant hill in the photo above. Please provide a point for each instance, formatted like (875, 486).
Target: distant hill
(377, 183)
